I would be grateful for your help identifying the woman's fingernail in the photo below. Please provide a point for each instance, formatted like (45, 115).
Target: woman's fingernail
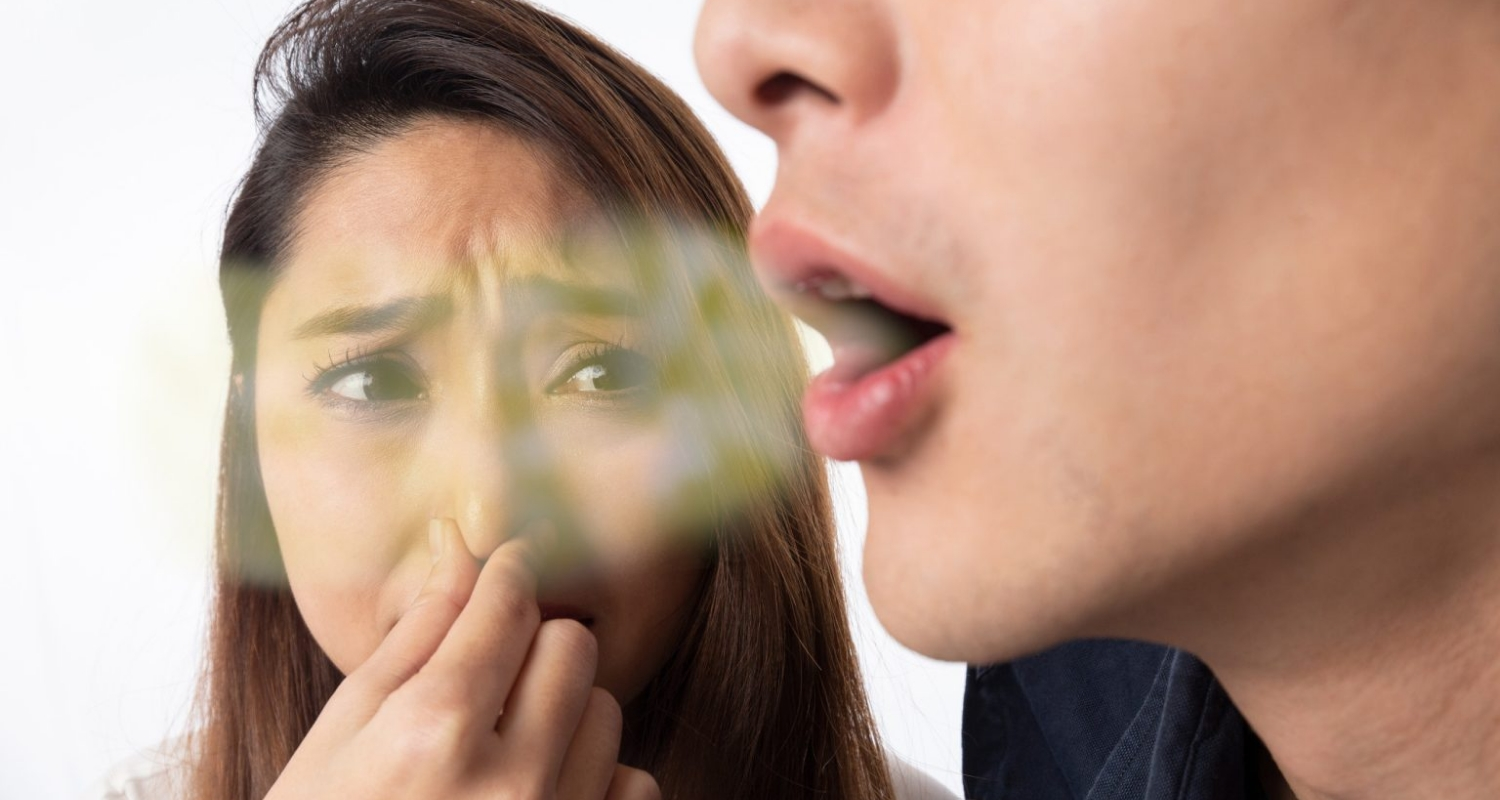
(436, 540)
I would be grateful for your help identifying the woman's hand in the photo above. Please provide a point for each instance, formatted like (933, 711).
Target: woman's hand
(470, 695)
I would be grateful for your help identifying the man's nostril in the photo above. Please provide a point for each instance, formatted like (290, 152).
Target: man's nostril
(782, 86)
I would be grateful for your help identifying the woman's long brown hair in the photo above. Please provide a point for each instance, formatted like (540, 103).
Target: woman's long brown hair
(763, 698)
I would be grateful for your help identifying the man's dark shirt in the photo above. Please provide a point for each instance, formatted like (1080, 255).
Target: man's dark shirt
(1104, 720)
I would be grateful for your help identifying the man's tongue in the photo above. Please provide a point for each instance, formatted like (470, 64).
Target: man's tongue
(866, 336)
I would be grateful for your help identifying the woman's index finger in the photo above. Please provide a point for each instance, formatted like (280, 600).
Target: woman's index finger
(420, 631)
(478, 661)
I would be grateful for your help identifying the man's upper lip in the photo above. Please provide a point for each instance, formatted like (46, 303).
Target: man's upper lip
(790, 258)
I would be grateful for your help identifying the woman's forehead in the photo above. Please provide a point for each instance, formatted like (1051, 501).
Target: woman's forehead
(443, 181)
(447, 207)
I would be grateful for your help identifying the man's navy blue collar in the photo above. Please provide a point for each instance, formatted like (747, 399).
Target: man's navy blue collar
(1104, 720)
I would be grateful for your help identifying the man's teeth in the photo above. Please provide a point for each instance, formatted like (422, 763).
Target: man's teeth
(835, 288)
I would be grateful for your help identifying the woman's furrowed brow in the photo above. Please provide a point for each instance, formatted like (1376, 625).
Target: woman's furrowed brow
(400, 314)
(414, 313)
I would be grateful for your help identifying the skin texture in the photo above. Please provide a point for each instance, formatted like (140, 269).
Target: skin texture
(465, 214)
(1224, 281)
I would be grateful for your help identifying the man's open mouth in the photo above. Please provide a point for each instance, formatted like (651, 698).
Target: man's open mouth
(889, 340)
(864, 333)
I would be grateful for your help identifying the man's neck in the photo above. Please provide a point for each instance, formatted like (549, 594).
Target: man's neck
(1368, 658)
(1383, 724)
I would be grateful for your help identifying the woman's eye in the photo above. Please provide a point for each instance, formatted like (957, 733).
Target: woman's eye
(614, 371)
(377, 383)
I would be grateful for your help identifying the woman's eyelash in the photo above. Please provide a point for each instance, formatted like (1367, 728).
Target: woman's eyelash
(367, 380)
(596, 351)
(585, 355)
(350, 356)
(321, 372)
(621, 362)
(615, 356)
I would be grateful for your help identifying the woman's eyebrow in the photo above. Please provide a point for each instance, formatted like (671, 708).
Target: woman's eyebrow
(401, 314)
(415, 313)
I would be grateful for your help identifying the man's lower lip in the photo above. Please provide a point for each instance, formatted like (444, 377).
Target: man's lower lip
(865, 418)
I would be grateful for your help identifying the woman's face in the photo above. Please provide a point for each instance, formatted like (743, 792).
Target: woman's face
(428, 325)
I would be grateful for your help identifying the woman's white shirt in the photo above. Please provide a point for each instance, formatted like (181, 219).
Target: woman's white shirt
(911, 783)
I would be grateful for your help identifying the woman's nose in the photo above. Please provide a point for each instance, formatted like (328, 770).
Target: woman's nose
(490, 465)
(777, 63)
(496, 475)
(475, 487)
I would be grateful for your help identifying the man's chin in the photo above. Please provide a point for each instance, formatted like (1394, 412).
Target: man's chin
(953, 620)
(983, 642)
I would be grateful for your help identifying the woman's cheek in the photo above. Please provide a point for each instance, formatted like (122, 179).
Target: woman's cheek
(337, 507)
(611, 475)
(645, 570)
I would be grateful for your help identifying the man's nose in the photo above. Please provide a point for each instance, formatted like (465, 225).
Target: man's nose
(774, 63)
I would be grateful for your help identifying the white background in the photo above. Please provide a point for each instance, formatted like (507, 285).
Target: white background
(123, 128)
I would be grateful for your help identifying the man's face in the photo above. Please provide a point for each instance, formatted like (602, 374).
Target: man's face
(1190, 271)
